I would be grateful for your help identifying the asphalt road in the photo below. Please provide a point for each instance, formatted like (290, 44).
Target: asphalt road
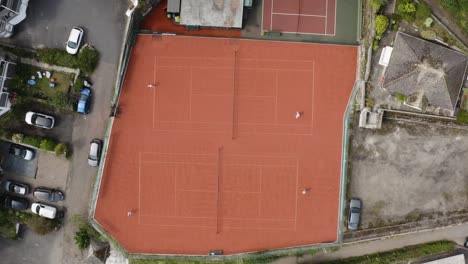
(47, 25)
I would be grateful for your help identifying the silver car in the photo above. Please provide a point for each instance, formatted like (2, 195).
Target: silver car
(39, 120)
(94, 155)
(354, 215)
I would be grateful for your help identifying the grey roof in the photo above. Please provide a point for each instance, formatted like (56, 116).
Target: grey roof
(417, 65)
(173, 6)
(212, 13)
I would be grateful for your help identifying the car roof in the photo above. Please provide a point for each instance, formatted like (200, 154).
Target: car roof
(355, 203)
(43, 121)
(85, 91)
(74, 34)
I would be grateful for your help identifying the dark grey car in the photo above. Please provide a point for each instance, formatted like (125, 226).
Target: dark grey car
(48, 195)
(354, 215)
(17, 187)
(16, 203)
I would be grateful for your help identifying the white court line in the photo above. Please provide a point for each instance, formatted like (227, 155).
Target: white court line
(271, 16)
(227, 123)
(313, 97)
(297, 193)
(276, 101)
(230, 59)
(334, 30)
(326, 16)
(208, 191)
(227, 131)
(139, 185)
(245, 68)
(214, 164)
(228, 218)
(230, 155)
(190, 97)
(230, 95)
(293, 14)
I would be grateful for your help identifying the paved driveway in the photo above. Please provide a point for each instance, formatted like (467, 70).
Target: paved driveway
(48, 25)
(14, 166)
(49, 22)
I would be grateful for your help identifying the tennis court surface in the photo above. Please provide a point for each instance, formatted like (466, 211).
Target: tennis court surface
(206, 152)
(300, 16)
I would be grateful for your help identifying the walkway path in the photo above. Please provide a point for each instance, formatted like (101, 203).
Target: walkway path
(455, 233)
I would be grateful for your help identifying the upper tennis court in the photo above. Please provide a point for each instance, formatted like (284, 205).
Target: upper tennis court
(300, 16)
(226, 144)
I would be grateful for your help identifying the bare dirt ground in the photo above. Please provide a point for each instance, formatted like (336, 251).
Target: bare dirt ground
(408, 172)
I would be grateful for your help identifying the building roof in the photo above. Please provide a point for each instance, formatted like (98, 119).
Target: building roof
(212, 13)
(420, 66)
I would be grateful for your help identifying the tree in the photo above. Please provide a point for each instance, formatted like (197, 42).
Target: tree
(381, 24)
(377, 4)
(406, 8)
(423, 11)
(82, 238)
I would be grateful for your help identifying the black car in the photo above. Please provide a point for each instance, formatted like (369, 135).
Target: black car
(12, 202)
(17, 187)
(21, 151)
(48, 195)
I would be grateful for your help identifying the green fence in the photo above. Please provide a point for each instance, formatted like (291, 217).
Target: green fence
(347, 119)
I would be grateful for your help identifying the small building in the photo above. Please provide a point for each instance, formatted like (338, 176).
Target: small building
(428, 74)
(369, 119)
(12, 12)
(385, 56)
(6, 70)
(212, 13)
(173, 6)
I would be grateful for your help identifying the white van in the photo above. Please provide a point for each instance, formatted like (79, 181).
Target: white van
(44, 210)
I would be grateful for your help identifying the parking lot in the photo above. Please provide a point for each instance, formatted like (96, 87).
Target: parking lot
(408, 171)
(15, 166)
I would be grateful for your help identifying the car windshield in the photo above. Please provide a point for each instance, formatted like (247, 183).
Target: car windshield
(83, 97)
(42, 121)
(38, 208)
(72, 44)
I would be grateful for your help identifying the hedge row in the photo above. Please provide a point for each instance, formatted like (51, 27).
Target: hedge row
(41, 143)
(86, 60)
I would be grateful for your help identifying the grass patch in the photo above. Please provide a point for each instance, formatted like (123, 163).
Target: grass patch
(462, 117)
(400, 255)
(400, 97)
(40, 225)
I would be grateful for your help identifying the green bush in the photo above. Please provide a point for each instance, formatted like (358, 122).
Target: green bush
(60, 149)
(87, 59)
(59, 100)
(17, 138)
(428, 34)
(381, 24)
(400, 255)
(47, 144)
(377, 4)
(57, 57)
(451, 5)
(400, 97)
(375, 44)
(406, 8)
(82, 238)
(33, 141)
(462, 117)
(423, 11)
(78, 85)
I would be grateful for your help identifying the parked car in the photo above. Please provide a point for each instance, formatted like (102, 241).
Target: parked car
(84, 101)
(48, 195)
(466, 242)
(74, 40)
(44, 210)
(94, 152)
(39, 120)
(17, 203)
(16, 187)
(21, 151)
(354, 215)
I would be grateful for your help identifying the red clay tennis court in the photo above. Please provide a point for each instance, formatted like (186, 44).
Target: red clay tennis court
(207, 152)
(300, 16)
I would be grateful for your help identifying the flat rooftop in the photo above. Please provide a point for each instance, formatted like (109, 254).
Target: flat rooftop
(207, 153)
(212, 13)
